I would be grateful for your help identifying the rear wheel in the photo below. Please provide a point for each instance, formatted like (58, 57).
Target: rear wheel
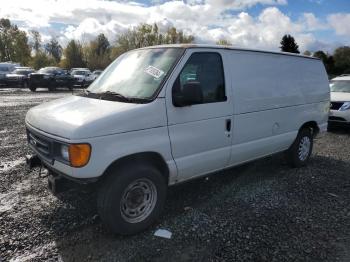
(299, 153)
(131, 199)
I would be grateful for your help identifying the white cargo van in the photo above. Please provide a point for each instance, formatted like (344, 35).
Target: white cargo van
(162, 115)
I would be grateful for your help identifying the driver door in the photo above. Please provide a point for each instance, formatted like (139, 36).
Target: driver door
(201, 132)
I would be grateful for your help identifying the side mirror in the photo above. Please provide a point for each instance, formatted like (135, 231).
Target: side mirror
(191, 94)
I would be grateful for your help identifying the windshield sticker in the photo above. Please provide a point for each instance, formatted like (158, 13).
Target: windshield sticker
(153, 71)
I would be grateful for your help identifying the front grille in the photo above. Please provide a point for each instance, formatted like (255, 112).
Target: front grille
(41, 145)
(336, 118)
(336, 105)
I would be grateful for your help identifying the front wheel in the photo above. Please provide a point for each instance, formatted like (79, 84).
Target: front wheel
(132, 199)
(299, 153)
(32, 88)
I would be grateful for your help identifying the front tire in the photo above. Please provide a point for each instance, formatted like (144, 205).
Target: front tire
(299, 153)
(132, 198)
(32, 88)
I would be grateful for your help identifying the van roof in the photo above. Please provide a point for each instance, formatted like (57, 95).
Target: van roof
(188, 46)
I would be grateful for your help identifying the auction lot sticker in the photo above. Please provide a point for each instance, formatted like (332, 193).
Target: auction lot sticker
(153, 71)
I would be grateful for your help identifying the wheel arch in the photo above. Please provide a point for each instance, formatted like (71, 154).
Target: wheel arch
(312, 125)
(151, 158)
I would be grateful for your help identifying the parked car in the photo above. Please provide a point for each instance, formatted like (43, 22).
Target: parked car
(78, 68)
(19, 77)
(163, 115)
(339, 114)
(94, 75)
(81, 77)
(51, 78)
(6, 68)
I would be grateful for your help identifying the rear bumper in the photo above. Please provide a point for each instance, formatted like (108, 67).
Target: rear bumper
(14, 82)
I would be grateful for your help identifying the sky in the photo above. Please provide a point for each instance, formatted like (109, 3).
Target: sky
(315, 24)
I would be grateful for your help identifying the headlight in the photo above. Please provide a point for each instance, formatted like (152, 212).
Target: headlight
(345, 106)
(65, 152)
(46, 77)
(78, 155)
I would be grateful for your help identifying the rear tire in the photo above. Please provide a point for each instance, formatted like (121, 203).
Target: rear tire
(299, 153)
(132, 198)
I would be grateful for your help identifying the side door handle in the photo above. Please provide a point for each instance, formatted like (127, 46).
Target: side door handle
(228, 127)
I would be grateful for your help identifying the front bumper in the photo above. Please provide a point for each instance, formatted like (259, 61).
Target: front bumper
(45, 149)
(339, 117)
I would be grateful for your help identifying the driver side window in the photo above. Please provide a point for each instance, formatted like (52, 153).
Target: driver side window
(204, 71)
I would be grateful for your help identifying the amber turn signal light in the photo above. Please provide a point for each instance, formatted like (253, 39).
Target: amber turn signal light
(79, 154)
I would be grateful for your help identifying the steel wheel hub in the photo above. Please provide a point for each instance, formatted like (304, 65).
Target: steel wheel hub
(138, 200)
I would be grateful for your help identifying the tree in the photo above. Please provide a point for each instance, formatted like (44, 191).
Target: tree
(13, 43)
(327, 60)
(148, 35)
(98, 53)
(54, 49)
(101, 45)
(288, 44)
(73, 55)
(172, 36)
(342, 59)
(41, 59)
(36, 40)
(223, 42)
(307, 53)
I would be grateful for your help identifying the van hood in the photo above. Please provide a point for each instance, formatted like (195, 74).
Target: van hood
(77, 117)
(340, 97)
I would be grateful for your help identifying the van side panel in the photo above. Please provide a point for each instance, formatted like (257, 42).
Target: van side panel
(263, 81)
(274, 95)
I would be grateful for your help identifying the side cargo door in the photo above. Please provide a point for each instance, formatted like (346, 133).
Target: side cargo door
(200, 131)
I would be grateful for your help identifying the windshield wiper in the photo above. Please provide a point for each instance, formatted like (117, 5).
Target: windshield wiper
(111, 95)
(107, 94)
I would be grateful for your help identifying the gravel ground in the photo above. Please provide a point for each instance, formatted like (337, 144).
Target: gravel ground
(263, 211)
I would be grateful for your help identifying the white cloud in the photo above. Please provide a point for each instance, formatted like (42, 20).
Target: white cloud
(207, 20)
(340, 23)
(312, 23)
(242, 4)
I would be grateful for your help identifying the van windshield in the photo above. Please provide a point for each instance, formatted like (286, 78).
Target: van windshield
(137, 74)
(340, 86)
